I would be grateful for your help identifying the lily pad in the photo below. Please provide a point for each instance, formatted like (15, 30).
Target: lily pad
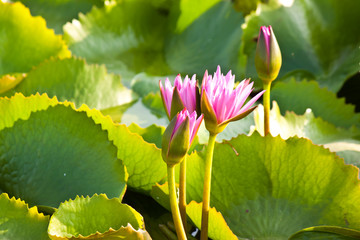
(151, 134)
(55, 153)
(96, 217)
(25, 41)
(326, 232)
(8, 82)
(219, 229)
(57, 13)
(305, 33)
(127, 37)
(298, 96)
(189, 11)
(212, 39)
(267, 187)
(18, 221)
(143, 160)
(317, 130)
(73, 80)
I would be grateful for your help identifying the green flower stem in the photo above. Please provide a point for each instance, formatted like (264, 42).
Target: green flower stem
(266, 101)
(207, 186)
(173, 204)
(182, 192)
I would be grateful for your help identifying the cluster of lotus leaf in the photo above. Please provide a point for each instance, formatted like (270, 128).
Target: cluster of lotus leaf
(81, 119)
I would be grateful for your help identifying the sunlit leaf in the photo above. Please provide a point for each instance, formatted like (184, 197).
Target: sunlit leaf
(189, 11)
(55, 152)
(73, 80)
(143, 160)
(8, 82)
(212, 39)
(57, 13)
(298, 96)
(127, 37)
(267, 187)
(18, 221)
(25, 41)
(219, 229)
(320, 37)
(316, 129)
(96, 218)
(326, 232)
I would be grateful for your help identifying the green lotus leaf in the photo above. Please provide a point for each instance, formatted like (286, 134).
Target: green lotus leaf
(145, 84)
(57, 13)
(326, 232)
(143, 160)
(266, 187)
(96, 218)
(73, 80)
(127, 37)
(189, 11)
(317, 130)
(195, 50)
(219, 229)
(306, 36)
(155, 104)
(116, 113)
(302, 95)
(8, 82)
(18, 221)
(25, 41)
(151, 134)
(140, 114)
(53, 152)
(20, 107)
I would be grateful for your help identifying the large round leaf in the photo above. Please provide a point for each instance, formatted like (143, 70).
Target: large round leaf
(320, 37)
(345, 142)
(57, 13)
(267, 187)
(25, 41)
(73, 80)
(17, 221)
(56, 153)
(96, 217)
(212, 39)
(219, 229)
(127, 37)
(298, 96)
(143, 160)
(326, 232)
(189, 11)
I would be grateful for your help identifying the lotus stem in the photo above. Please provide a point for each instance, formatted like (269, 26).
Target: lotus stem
(174, 205)
(207, 187)
(182, 192)
(266, 101)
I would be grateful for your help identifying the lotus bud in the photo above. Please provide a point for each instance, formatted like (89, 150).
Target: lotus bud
(179, 135)
(268, 56)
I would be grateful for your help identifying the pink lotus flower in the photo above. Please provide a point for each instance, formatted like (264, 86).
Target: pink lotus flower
(221, 103)
(182, 95)
(179, 135)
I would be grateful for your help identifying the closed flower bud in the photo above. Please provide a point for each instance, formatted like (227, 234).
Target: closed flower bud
(179, 135)
(268, 56)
